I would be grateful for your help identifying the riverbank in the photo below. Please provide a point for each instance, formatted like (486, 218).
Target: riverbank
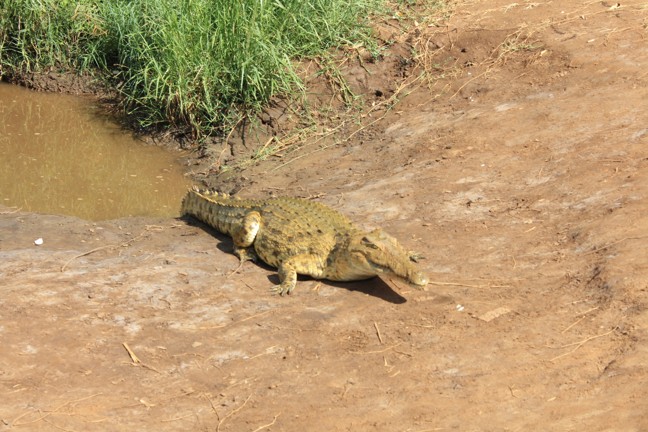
(196, 68)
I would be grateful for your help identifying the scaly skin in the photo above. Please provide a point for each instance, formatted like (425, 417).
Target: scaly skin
(299, 236)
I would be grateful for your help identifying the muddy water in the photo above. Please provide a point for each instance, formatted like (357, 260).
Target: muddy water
(59, 154)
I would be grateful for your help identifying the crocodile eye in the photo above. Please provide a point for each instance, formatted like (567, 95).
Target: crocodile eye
(369, 243)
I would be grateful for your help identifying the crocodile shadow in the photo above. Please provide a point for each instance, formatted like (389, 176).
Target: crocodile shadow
(375, 287)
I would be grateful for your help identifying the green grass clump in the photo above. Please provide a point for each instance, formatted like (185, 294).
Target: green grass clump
(40, 35)
(185, 63)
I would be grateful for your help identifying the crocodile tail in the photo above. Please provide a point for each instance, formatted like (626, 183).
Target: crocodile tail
(214, 208)
(195, 201)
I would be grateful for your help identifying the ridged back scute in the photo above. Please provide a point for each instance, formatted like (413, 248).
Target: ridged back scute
(285, 216)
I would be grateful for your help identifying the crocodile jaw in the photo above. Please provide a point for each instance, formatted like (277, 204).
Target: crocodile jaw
(410, 274)
(379, 253)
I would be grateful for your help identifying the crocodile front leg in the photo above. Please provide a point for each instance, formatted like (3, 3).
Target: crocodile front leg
(243, 238)
(306, 264)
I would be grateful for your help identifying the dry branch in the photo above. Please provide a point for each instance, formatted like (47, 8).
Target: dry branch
(580, 319)
(378, 332)
(125, 244)
(49, 413)
(581, 343)
(234, 411)
(267, 425)
(136, 361)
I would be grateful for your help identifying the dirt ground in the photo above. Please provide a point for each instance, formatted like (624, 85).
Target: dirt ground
(521, 175)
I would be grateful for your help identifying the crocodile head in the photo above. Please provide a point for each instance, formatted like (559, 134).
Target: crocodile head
(379, 253)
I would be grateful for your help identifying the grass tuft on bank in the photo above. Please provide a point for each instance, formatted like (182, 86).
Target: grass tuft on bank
(193, 64)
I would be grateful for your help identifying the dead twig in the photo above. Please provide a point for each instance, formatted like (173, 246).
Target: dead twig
(132, 355)
(580, 319)
(179, 418)
(614, 243)
(265, 352)
(136, 361)
(267, 425)
(488, 70)
(239, 321)
(511, 390)
(211, 402)
(454, 284)
(58, 427)
(379, 351)
(378, 332)
(231, 413)
(84, 254)
(125, 244)
(49, 413)
(156, 228)
(581, 343)
(403, 353)
(254, 316)
(467, 285)
(236, 270)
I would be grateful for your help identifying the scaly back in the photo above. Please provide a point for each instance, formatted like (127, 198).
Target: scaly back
(226, 213)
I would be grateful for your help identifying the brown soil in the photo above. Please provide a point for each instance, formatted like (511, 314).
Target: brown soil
(60, 83)
(521, 174)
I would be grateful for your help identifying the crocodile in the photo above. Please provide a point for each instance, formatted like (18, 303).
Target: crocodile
(300, 236)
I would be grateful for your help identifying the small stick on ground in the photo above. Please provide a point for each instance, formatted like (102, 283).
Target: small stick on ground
(613, 243)
(253, 316)
(234, 411)
(265, 352)
(49, 413)
(580, 319)
(379, 351)
(127, 243)
(236, 270)
(378, 333)
(211, 402)
(136, 361)
(267, 425)
(239, 321)
(467, 285)
(132, 355)
(84, 254)
(580, 344)
(179, 418)
(58, 427)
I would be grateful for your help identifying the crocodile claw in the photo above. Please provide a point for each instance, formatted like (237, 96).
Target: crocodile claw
(281, 289)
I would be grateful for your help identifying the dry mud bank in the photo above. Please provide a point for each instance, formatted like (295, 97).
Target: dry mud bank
(525, 184)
